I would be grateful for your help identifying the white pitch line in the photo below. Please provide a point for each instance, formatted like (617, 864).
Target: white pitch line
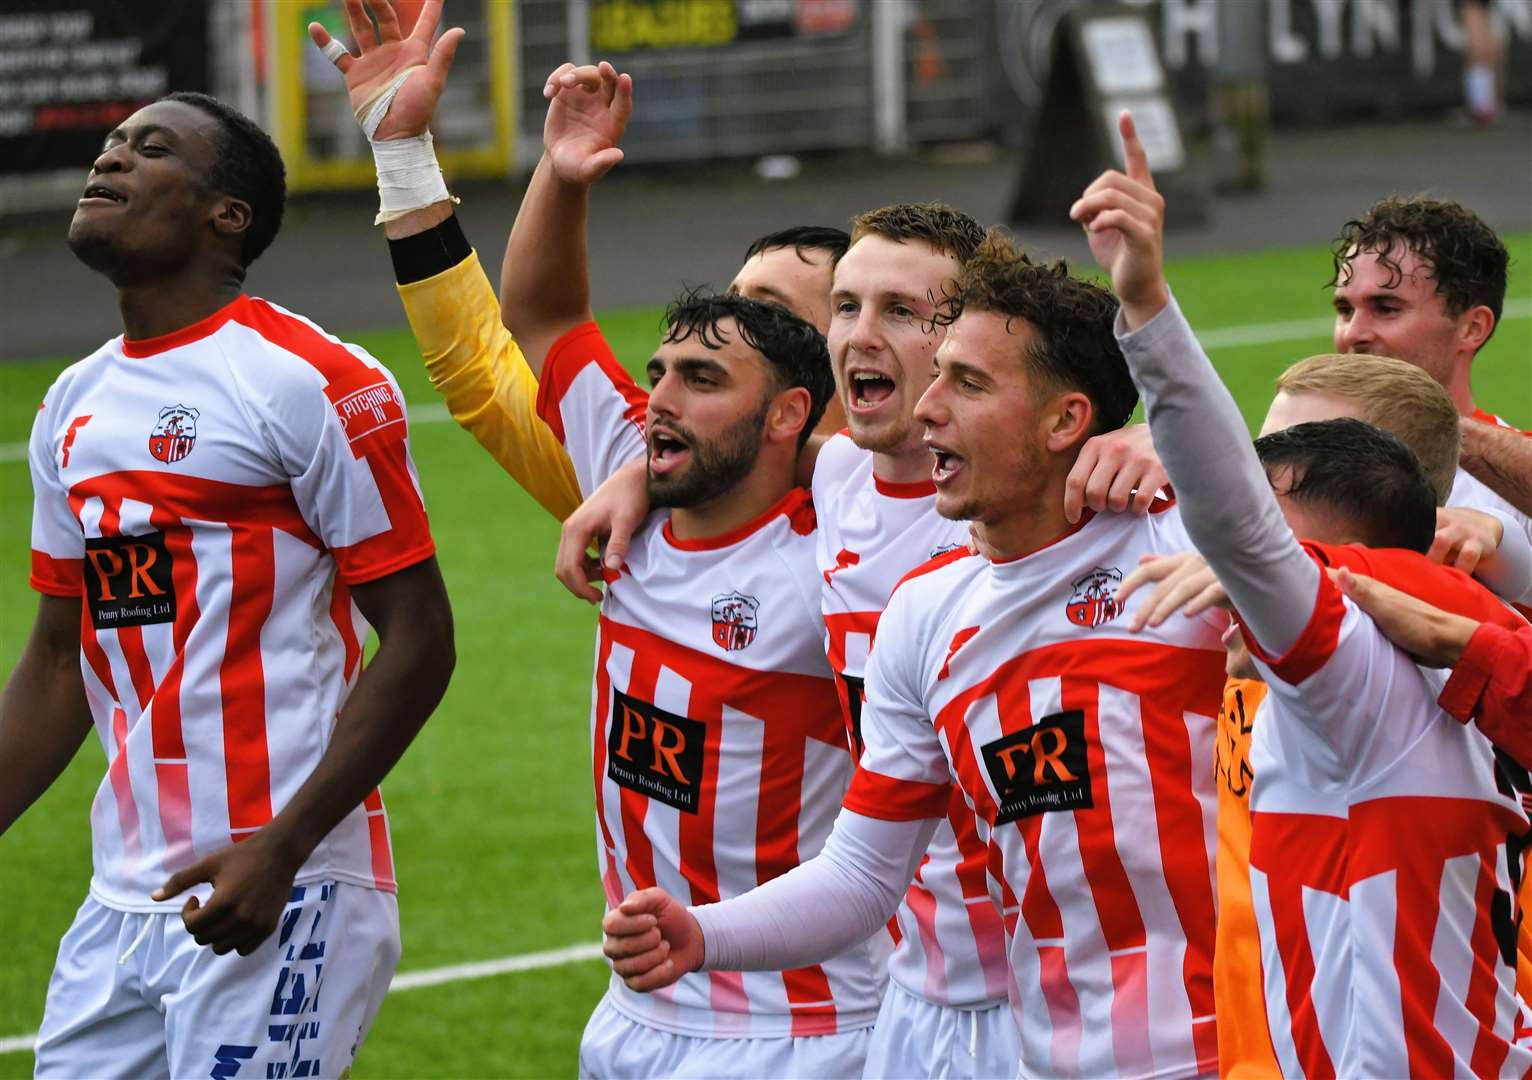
(1225, 337)
(414, 980)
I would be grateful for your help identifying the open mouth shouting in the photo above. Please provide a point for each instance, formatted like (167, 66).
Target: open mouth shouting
(668, 451)
(945, 464)
(98, 194)
(868, 389)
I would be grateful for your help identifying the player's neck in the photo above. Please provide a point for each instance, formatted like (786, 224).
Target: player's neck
(903, 467)
(1037, 521)
(150, 309)
(1461, 388)
(749, 499)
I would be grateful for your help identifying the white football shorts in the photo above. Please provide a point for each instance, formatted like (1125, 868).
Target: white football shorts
(134, 995)
(616, 1047)
(915, 1037)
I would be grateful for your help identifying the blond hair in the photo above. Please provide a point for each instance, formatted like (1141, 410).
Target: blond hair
(1399, 398)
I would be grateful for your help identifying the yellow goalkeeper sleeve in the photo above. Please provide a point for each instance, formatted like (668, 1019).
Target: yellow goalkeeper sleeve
(478, 368)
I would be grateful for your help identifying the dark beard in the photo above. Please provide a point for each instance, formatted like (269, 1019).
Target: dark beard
(716, 466)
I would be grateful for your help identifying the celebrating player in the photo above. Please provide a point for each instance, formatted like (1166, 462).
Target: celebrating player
(1084, 752)
(223, 501)
(1406, 402)
(1379, 957)
(719, 753)
(1424, 281)
(394, 85)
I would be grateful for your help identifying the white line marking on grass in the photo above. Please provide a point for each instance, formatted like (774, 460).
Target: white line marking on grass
(1229, 337)
(414, 980)
(1225, 337)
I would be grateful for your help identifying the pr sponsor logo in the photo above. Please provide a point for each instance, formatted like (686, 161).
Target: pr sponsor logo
(655, 753)
(1040, 769)
(128, 581)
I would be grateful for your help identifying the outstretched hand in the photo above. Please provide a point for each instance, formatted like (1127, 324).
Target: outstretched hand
(1124, 220)
(588, 110)
(385, 55)
(651, 940)
(1182, 582)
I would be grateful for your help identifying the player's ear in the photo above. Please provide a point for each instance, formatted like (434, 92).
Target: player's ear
(231, 216)
(1067, 421)
(1476, 325)
(788, 415)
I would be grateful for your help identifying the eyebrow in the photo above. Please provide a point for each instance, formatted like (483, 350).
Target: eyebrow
(691, 364)
(961, 367)
(145, 129)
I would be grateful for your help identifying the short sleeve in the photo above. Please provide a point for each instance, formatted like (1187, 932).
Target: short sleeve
(58, 545)
(903, 774)
(593, 406)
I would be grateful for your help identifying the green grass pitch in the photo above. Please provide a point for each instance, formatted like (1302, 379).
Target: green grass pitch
(491, 808)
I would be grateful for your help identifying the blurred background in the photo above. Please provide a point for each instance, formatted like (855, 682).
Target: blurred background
(751, 114)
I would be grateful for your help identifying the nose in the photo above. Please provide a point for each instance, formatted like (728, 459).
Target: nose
(864, 334)
(112, 159)
(662, 398)
(1352, 332)
(931, 409)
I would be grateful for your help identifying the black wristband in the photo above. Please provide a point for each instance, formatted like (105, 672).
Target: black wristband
(427, 254)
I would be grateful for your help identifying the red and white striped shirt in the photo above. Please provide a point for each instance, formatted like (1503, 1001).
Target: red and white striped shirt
(1384, 863)
(209, 495)
(719, 754)
(951, 949)
(1086, 754)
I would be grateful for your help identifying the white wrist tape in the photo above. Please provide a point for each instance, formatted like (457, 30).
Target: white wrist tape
(409, 177)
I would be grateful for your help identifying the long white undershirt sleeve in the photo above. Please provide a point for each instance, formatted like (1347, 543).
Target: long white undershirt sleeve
(1226, 501)
(822, 907)
(1508, 571)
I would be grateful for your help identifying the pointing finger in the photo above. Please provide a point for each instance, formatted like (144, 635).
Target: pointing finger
(1133, 151)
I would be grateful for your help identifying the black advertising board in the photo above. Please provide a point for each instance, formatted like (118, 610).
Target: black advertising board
(1323, 60)
(71, 70)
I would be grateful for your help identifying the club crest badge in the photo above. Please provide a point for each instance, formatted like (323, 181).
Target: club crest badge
(1094, 600)
(734, 621)
(174, 434)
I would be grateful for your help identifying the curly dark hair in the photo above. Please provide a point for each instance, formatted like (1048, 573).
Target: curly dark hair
(1360, 474)
(794, 350)
(945, 229)
(803, 238)
(1464, 256)
(249, 167)
(1073, 346)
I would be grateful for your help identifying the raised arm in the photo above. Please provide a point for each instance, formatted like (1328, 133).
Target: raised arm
(452, 308)
(1226, 502)
(544, 284)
